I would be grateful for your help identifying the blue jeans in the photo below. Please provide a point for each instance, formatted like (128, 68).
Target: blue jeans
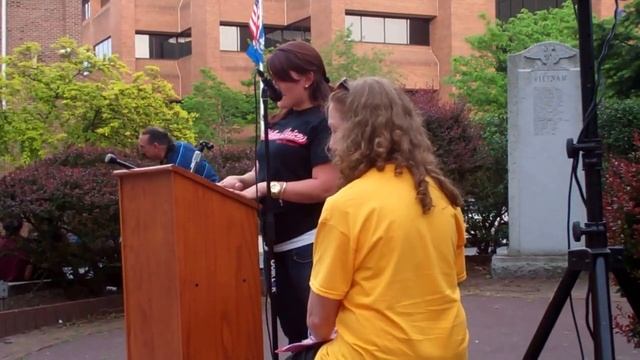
(293, 270)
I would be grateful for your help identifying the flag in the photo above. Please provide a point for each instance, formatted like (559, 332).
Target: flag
(256, 48)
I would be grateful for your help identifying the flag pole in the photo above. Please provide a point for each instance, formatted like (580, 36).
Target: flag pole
(261, 67)
(256, 54)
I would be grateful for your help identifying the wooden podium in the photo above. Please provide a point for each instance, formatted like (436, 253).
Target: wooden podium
(190, 268)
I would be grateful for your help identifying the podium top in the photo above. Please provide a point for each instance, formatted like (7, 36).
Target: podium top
(182, 172)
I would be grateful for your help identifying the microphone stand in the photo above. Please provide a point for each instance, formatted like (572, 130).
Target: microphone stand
(268, 221)
(197, 155)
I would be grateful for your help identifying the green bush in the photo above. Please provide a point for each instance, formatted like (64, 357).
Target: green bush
(71, 202)
(616, 120)
(621, 202)
(476, 161)
(232, 159)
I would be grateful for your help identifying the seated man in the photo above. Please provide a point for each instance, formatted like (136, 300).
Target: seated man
(156, 144)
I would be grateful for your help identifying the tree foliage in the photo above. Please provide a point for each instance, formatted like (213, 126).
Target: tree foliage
(341, 59)
(219, 110)
(621, 67)
(481, 78)
(617, 118)
(80, 99)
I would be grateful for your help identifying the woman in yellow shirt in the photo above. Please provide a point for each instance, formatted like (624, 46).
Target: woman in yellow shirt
(389, 253)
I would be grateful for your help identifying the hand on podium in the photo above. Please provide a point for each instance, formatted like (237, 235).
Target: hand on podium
(254, 192)
(232, 183)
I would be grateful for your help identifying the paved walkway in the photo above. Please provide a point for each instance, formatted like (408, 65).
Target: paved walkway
(502, 315)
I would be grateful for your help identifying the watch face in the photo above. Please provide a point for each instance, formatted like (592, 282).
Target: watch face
(275, 187)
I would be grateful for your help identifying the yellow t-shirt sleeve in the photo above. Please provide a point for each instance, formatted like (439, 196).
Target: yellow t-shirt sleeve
(333, 258)
(461, 271)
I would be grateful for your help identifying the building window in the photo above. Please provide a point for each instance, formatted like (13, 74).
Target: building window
(237, 38)
(86, 9)
(388, 30)
(372, 29)
(395, 31)
(184, 43)
(234, 38)
(276, 36)
(506, 9)
(163, 46)
(103, 48)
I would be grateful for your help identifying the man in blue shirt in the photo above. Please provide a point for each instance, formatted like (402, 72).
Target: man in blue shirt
(156, 144)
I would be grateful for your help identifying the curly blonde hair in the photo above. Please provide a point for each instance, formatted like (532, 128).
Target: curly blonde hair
(383, 127)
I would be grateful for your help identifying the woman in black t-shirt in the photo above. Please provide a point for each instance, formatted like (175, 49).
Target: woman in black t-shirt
(301, 175)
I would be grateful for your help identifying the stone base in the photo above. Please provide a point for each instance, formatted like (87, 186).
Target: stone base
(506, 266)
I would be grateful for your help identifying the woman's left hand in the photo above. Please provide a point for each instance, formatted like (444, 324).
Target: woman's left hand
(251, 192)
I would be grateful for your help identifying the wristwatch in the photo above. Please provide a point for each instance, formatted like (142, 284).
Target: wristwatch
(277, 188)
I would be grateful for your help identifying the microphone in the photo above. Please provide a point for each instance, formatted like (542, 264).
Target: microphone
(195, 159)
(112, 159)
(274, 94)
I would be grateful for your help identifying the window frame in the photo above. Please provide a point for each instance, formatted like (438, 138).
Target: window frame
(99, 45)
(86, 10)
(236, 31)
(180, 50)
(300, 33)
(409, 20)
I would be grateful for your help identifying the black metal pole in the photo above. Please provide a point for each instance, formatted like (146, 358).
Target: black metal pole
(603, 347)
(268, 229)
(592, 157)
(595, 228)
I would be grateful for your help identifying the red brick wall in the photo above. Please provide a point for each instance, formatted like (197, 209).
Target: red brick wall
(43, 22)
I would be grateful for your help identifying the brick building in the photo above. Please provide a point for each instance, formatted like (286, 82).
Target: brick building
(183, 36)
(41, 21)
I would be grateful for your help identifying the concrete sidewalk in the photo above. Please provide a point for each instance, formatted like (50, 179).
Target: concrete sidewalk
(502, 315)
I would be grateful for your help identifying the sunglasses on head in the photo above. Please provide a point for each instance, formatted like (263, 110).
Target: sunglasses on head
(343, 85)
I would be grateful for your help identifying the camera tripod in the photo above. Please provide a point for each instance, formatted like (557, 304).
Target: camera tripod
(596, 257)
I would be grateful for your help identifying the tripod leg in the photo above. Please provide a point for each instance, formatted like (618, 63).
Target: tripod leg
(603, 343)
(630, 289)
(551, 314)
